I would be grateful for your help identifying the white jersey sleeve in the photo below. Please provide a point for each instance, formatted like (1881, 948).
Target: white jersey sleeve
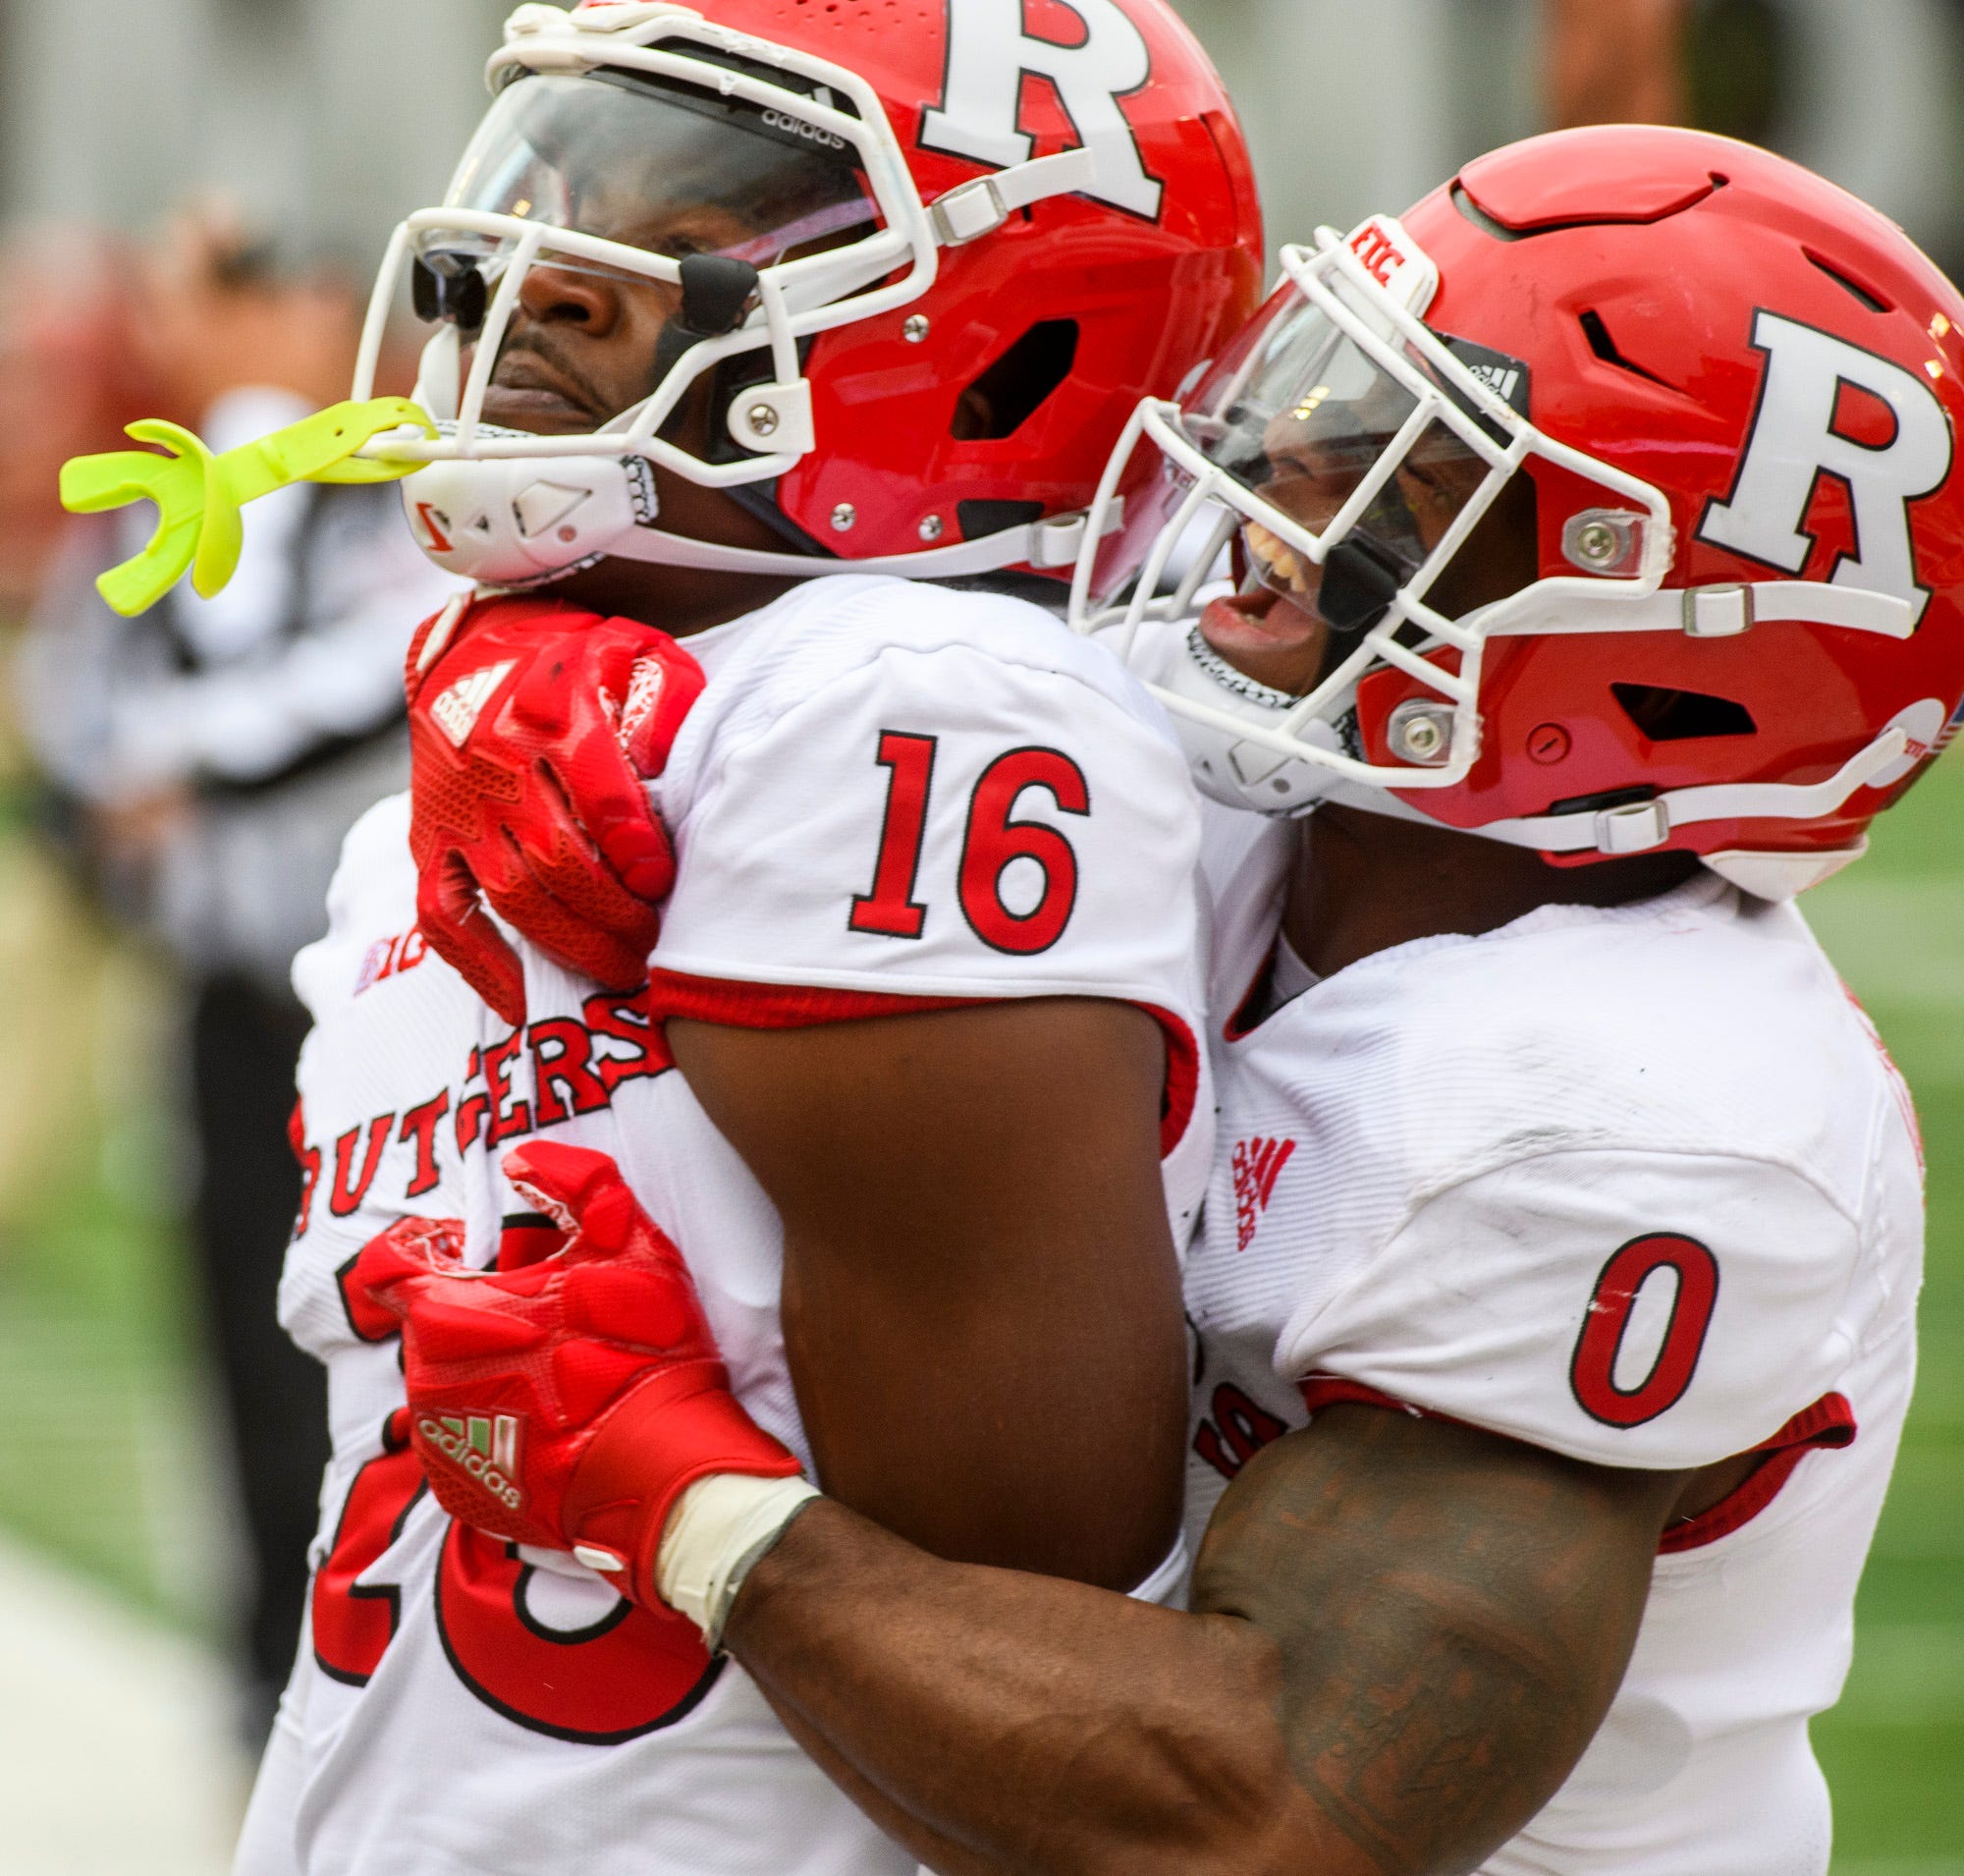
(933, 795)
(1713, 1319)
(1639, 1185)
(1596, 1180)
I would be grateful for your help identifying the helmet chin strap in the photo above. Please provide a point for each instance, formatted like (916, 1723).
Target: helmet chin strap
(1638, 827)
(1184, 671)
(519, 522)
(1770, 875)
(1052, 543)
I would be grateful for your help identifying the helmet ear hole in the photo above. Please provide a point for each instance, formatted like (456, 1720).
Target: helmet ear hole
(1666, 715)
(999, 403)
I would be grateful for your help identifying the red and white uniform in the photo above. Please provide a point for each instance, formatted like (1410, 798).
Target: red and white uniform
(887, 794)
(1638, 1185)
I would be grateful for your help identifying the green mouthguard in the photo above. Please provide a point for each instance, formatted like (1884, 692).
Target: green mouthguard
(198, 495)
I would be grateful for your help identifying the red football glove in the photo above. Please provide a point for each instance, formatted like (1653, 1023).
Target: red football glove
(533, 727)
(568, 1402)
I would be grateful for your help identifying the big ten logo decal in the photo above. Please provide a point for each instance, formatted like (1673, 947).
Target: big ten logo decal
(1808, 427)
(1234, 1430)
(556, 1652)
(571, 1065)
(1102, 58)
(390, 956)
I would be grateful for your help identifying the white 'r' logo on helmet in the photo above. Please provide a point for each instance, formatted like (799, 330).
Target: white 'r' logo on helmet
(989, 55)
(1794, 443)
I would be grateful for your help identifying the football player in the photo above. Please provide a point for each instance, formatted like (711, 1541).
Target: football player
(1554, 1308)
(749, 322)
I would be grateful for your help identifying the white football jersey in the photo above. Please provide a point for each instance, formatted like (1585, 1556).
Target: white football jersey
(886, 791)
(1638, 1185)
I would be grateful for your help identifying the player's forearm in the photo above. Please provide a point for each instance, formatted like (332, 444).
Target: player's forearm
(932, 1850)
(1022, 1723)
(1453, 1612)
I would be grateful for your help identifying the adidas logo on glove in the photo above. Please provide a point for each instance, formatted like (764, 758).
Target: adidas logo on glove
(483, 1445)
(458, 709)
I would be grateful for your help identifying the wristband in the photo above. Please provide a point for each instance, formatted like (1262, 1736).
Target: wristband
(718, 1530)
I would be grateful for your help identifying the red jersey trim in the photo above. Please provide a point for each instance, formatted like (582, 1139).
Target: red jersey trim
(1830, 1422)
(1331, 1390)
(737, 1005)
(1245, 1020)
(782, 1006)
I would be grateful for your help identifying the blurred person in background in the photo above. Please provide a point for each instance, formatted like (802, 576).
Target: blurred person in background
(202, 765)
(69, 375)
(1725, 66)
(1614, 64)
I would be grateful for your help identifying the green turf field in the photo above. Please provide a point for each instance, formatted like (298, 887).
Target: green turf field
(103, 1454)
(1894, 1748)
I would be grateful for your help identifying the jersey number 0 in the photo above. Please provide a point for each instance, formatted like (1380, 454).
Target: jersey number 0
(1593, 1371)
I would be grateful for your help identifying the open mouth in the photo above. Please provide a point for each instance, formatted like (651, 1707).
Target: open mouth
(1267, 637)
(1260, 620)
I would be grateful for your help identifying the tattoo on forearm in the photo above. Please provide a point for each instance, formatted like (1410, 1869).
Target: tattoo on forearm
(1452, 1615)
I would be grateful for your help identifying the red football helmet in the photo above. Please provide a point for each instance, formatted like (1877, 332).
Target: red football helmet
(1733, 393)
(927, 255)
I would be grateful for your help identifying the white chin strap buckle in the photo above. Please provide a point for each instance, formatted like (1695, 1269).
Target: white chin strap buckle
(1634, 828)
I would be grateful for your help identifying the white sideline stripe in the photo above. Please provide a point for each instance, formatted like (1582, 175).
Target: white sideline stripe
(115, 1756)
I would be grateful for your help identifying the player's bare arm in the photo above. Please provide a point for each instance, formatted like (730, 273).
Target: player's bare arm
(1407, 1633)
(1404, 1633)
(981, 1299)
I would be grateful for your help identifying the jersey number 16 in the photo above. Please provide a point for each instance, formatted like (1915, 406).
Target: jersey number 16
(992, 843)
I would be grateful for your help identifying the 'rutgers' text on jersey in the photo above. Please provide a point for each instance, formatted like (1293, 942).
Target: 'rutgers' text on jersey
(886, 790)
(1638, 1185)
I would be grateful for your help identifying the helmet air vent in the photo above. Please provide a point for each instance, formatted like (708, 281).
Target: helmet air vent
(1666, 715)
(1479, 217)
(1605, 347)
(1842, 278)
(1012, 389)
